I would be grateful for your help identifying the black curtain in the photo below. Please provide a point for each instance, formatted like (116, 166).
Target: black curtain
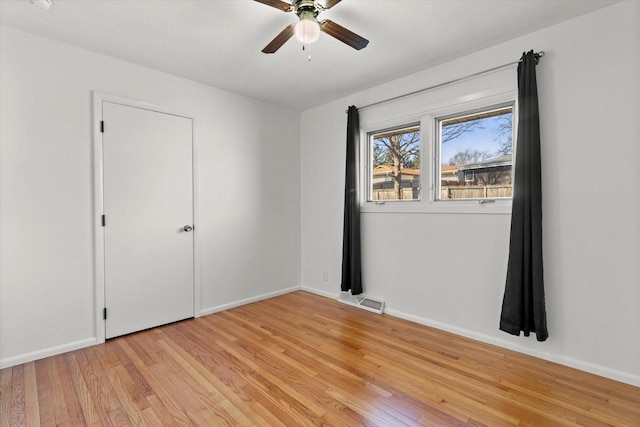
(351, 260)
(523, 306)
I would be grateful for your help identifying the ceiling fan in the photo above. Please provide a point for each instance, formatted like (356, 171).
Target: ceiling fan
(309, 28)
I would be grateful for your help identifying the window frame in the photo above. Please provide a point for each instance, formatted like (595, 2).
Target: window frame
(427, 116)
(438, 148)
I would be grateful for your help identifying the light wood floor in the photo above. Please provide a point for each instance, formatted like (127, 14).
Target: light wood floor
(300, 359)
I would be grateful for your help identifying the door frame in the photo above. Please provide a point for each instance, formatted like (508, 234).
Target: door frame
(98, 204)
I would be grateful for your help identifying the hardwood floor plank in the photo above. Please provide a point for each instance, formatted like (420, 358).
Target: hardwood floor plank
(169, 395)
(129, 396)
(214, 367)
(17, 417)
(203, 390)
(136, 384)
(82, 392)
(192, 409)
(269, 374)
(150, 417)
(32, 411)
(265, 417)
(67, 392)
(303, 360)
(6, 378)
(161, 412)
(100, 390)
(118, 417)
(46, 393)
(128, 386)
(161, 400)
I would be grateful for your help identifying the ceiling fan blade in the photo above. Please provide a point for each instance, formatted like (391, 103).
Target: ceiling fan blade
(278, 4)
(328, 4)
(344, 35)
(280, 39)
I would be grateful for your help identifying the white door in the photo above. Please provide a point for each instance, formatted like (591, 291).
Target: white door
(148, 207)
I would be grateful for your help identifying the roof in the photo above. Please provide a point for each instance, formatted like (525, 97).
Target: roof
(383, 169)
(505, 160)
(451, 169)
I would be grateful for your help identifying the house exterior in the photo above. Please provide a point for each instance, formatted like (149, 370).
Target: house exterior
(494, 171)
(449, 175)
(490, 178)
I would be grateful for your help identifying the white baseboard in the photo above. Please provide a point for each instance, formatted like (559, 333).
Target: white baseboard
(238, 303)
(592, 368)
(332, 295)
(51, 351)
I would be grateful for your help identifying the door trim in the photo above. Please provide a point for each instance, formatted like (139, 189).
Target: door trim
(98, 204)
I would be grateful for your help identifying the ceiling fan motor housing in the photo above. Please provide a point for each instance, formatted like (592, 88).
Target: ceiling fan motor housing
(306, 9)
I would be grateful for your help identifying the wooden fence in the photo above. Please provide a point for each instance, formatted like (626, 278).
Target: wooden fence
(391, 194)
(475, 192)
(448, 193)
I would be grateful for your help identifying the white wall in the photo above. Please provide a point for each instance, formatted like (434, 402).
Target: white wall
(590, 105)
(248, 194)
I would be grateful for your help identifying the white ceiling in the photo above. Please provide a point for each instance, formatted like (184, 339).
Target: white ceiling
(218, 42)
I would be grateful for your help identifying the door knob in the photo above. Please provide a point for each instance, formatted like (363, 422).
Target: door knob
(187, 228)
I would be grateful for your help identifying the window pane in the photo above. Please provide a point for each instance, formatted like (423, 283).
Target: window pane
(476, 155)
(395, 164)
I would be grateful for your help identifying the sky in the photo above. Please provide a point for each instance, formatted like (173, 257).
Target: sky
(478, 139)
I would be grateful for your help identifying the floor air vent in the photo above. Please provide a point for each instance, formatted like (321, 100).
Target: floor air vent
(362, 302)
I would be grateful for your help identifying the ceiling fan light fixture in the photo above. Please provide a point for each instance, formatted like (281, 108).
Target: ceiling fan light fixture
(307, 30)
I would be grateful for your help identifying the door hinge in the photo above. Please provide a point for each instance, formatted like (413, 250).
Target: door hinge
(102, 126)
(104, 221)
(104, 313)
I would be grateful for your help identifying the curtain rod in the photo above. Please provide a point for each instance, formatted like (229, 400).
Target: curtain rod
(415, 92)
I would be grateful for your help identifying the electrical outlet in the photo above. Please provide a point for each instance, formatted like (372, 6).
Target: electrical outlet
(325, 276)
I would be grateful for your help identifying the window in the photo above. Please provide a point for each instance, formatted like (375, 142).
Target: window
(445, 151)
(474, 154)
(394, 171)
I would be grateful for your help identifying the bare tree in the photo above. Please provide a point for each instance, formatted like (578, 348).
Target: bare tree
(467, 156)
(453, 131)
(504, 135)
(494, 177)
(400, 148)
(381, 155)
(413, 162)
(456, 130)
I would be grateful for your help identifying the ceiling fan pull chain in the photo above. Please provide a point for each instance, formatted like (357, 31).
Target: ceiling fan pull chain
(307, 47)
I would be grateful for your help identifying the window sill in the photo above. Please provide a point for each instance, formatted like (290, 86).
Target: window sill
(497, 207)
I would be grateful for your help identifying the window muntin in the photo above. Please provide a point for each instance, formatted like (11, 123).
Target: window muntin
(394, 172)
(475, 155)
